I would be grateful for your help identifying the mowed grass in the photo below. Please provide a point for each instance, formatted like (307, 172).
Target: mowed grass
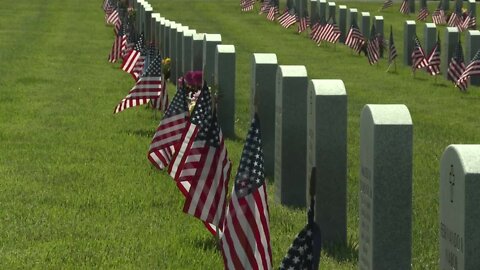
(76, 189)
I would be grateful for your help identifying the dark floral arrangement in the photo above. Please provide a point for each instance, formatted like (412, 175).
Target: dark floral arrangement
(193, 84)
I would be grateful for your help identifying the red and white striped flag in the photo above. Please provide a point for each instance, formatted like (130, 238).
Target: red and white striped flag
(148, 87)
(287, 19)
(329, 32)
(455, 20)
(404, 9)
(472, 69)
(169, 131)
(434, 60)
(355, 39)
(456, 67)
(272, 12)
(373, 47)
(118, 46)
(247, 5)
(201, 160)
(418, 56)
(422, 14)
(245, 243)
(438, 16)
(134, 62)
(112, 17)
(303, 23)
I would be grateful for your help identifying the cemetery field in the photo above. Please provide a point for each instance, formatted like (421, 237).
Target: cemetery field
(76, 189)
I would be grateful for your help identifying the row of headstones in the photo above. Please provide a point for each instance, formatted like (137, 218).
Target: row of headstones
(452, 35)
(192, 51)
(306, 126)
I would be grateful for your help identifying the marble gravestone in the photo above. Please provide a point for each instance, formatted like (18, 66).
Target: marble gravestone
(445, 5)
(342, 22)
(472, 7)
(197, 51)
(173, 51)
(147, 20)
(156, 31)
(187, 50)
(409, 32)
(472, 43)
(385, 195)
(322, 8)
(179, 52)
(327, 152)
(210, 42)
(459, 211)
(290, 135)
(264, 70)
(225, 63)
(160, 36)
(365, 24)
(352, 18)
(411, 6)
(450, 45)
(331, 10)
(379, 25)
(166, 38)
(430, 37)
(314, 12)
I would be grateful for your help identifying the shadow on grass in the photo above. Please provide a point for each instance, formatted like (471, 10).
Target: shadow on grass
(341, 253)
(209, 243)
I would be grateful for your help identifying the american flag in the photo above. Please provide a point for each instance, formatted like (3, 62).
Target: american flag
(422, 14)
(148, 87)
(330, 32)
(472, 69)
(272, 12)
(200, 160)
(355, 39)
(283, 15)
(247, 5)
(434, 59)
(438, 16)
(303, 23)
(161, 103)
(387, 4)
(392, 51)
(418, 55)
(469, 22)
(169, 131)
(245, 243)
(455, 20)
(265, 7)
(404, 9)
(373, 48)
(112, 17)
(118, 46)
(135, 60)
(289, 19)
(317, 30)
(108, 5)
(457, 66)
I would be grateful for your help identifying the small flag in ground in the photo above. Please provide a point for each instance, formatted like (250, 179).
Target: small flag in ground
(418, 55)
(422, 14)
(134, 62)
(265, 6)
(438, 16)
(373, 48)
(304, 252)
(392, 51)
(147, 88)
(387, 4)
(119, 44)
(303, 23)
(472, 69)
(455, 20)
(272, 12)
(331, 32)
(245, 243)
(247, 5)
(468, 22)
(169, 131)
(434, 59)
(457, 66)
(404, 9)
(317, 30)
(355, 39)
(289, 19)
(112, 17)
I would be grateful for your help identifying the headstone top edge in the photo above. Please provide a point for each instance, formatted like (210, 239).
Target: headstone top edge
(331, 4)
(198, 36)
(148, 9)
(473, 32)
(430, 25)
(292, 70)
(410, 22)
(189, 32)
(213, 37)
(328, 87)
(342, 6)
(353, 10)
(223, 48)
(388, 114)
(365, 13)
(452, 29)
(323, 1)
(468, 154)
(265, 58)
(378, 17)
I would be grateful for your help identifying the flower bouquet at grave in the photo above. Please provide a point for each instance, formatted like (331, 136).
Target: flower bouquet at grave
(166, 68)
(193, 84)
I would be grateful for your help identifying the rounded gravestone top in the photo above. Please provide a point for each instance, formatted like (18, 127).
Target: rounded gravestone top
(331, 4)
(408, 22)
(198, 36)
(473, 32)
(452, 29)
(378, 18)
(342, 7)
(189, 32)
(328, 87)
(365, 14)
(221, 48)
(353, 10)
(387, 114)
(213, 37)
(430, 25)
(292, 71)
(265, 58)
(468, 154)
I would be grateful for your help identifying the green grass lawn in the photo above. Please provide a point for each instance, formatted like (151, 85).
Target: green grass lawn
(76, 189)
